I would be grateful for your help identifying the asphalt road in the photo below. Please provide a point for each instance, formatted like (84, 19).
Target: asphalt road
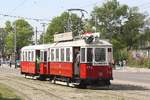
(138, 77)
(31, 89)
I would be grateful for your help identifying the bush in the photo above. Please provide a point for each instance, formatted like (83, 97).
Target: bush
(147, 63)
(141, 62)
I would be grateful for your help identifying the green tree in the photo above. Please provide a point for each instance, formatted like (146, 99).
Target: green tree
(110, 17)
(58, 24)
(8, 26)
(2, 41)
(3, 35)
(10, 43)
(24, 33)
(131, 29)
(120, 24)
(8, 39)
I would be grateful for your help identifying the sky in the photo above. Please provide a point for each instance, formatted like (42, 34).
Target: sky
(48, 9)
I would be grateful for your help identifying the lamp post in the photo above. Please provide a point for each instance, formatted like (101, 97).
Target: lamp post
(15, 42)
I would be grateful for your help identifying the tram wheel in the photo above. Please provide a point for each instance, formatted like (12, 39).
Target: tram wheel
(42, 77)
(54, 79)
(68, 81)
(82, 85)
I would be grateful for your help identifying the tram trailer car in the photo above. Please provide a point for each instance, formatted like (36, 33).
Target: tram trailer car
(72, 62)
(34, 60)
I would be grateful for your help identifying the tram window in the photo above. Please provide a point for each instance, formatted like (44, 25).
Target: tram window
(49, 54)
(57, 54)
(42, 54)
(22, 58)
(67, 54)
(100, 54)
(45, 56)
(89, 54)
(109, 49)
(32, 56)
(52, 54)
(62, 54)
(83, 55)
(26, 55)
(29, 56)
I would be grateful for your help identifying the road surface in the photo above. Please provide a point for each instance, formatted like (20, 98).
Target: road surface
(141, 77)
(30, 89)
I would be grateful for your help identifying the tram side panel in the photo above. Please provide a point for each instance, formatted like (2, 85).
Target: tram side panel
(95, 72)
(24, 67)
(32, 67)
(28, 67)
(61, 68)
(43, 68)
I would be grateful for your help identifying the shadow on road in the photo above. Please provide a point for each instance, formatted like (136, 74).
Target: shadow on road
(119, 87)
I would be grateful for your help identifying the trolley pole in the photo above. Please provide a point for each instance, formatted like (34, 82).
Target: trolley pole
(43, 25)
(95, 23)
(15, 43)
(36, 35)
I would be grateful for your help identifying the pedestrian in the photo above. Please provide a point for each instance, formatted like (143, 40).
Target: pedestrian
(10, 63)
(0, 62)
(124, 62)
(77, 62)
(119, 63)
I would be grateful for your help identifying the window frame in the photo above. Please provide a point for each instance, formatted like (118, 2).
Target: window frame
(106, 56)
(33, 55)
(100, 62)
(48, 54)
(26, 55)
(53, 55)
(93, 51)
(63, 54)
(41, 55)
(22, 56)
(57, 59)
(70, 56)
(85, 56)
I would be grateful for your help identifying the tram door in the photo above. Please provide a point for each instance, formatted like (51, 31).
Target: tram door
(45, 62)
(76, 61)
(37, 61)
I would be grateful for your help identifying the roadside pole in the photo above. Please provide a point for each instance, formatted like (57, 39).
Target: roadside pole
(15, 43)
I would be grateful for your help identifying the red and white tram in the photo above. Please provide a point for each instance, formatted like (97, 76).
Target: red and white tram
(71, 61)
(34, 60)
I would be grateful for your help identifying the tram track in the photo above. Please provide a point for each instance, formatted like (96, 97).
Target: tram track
(32, 86)
(57, 92)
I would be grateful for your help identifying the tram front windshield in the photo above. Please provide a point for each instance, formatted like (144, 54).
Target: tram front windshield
(100, 55)
(93, 55)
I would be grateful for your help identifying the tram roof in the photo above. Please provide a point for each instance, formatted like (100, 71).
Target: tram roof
(77, 43)
(36, 47)
(81, 43)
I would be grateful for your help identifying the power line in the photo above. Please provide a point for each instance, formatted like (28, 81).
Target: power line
(28, 18)
(21, 4)
(90, 4)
